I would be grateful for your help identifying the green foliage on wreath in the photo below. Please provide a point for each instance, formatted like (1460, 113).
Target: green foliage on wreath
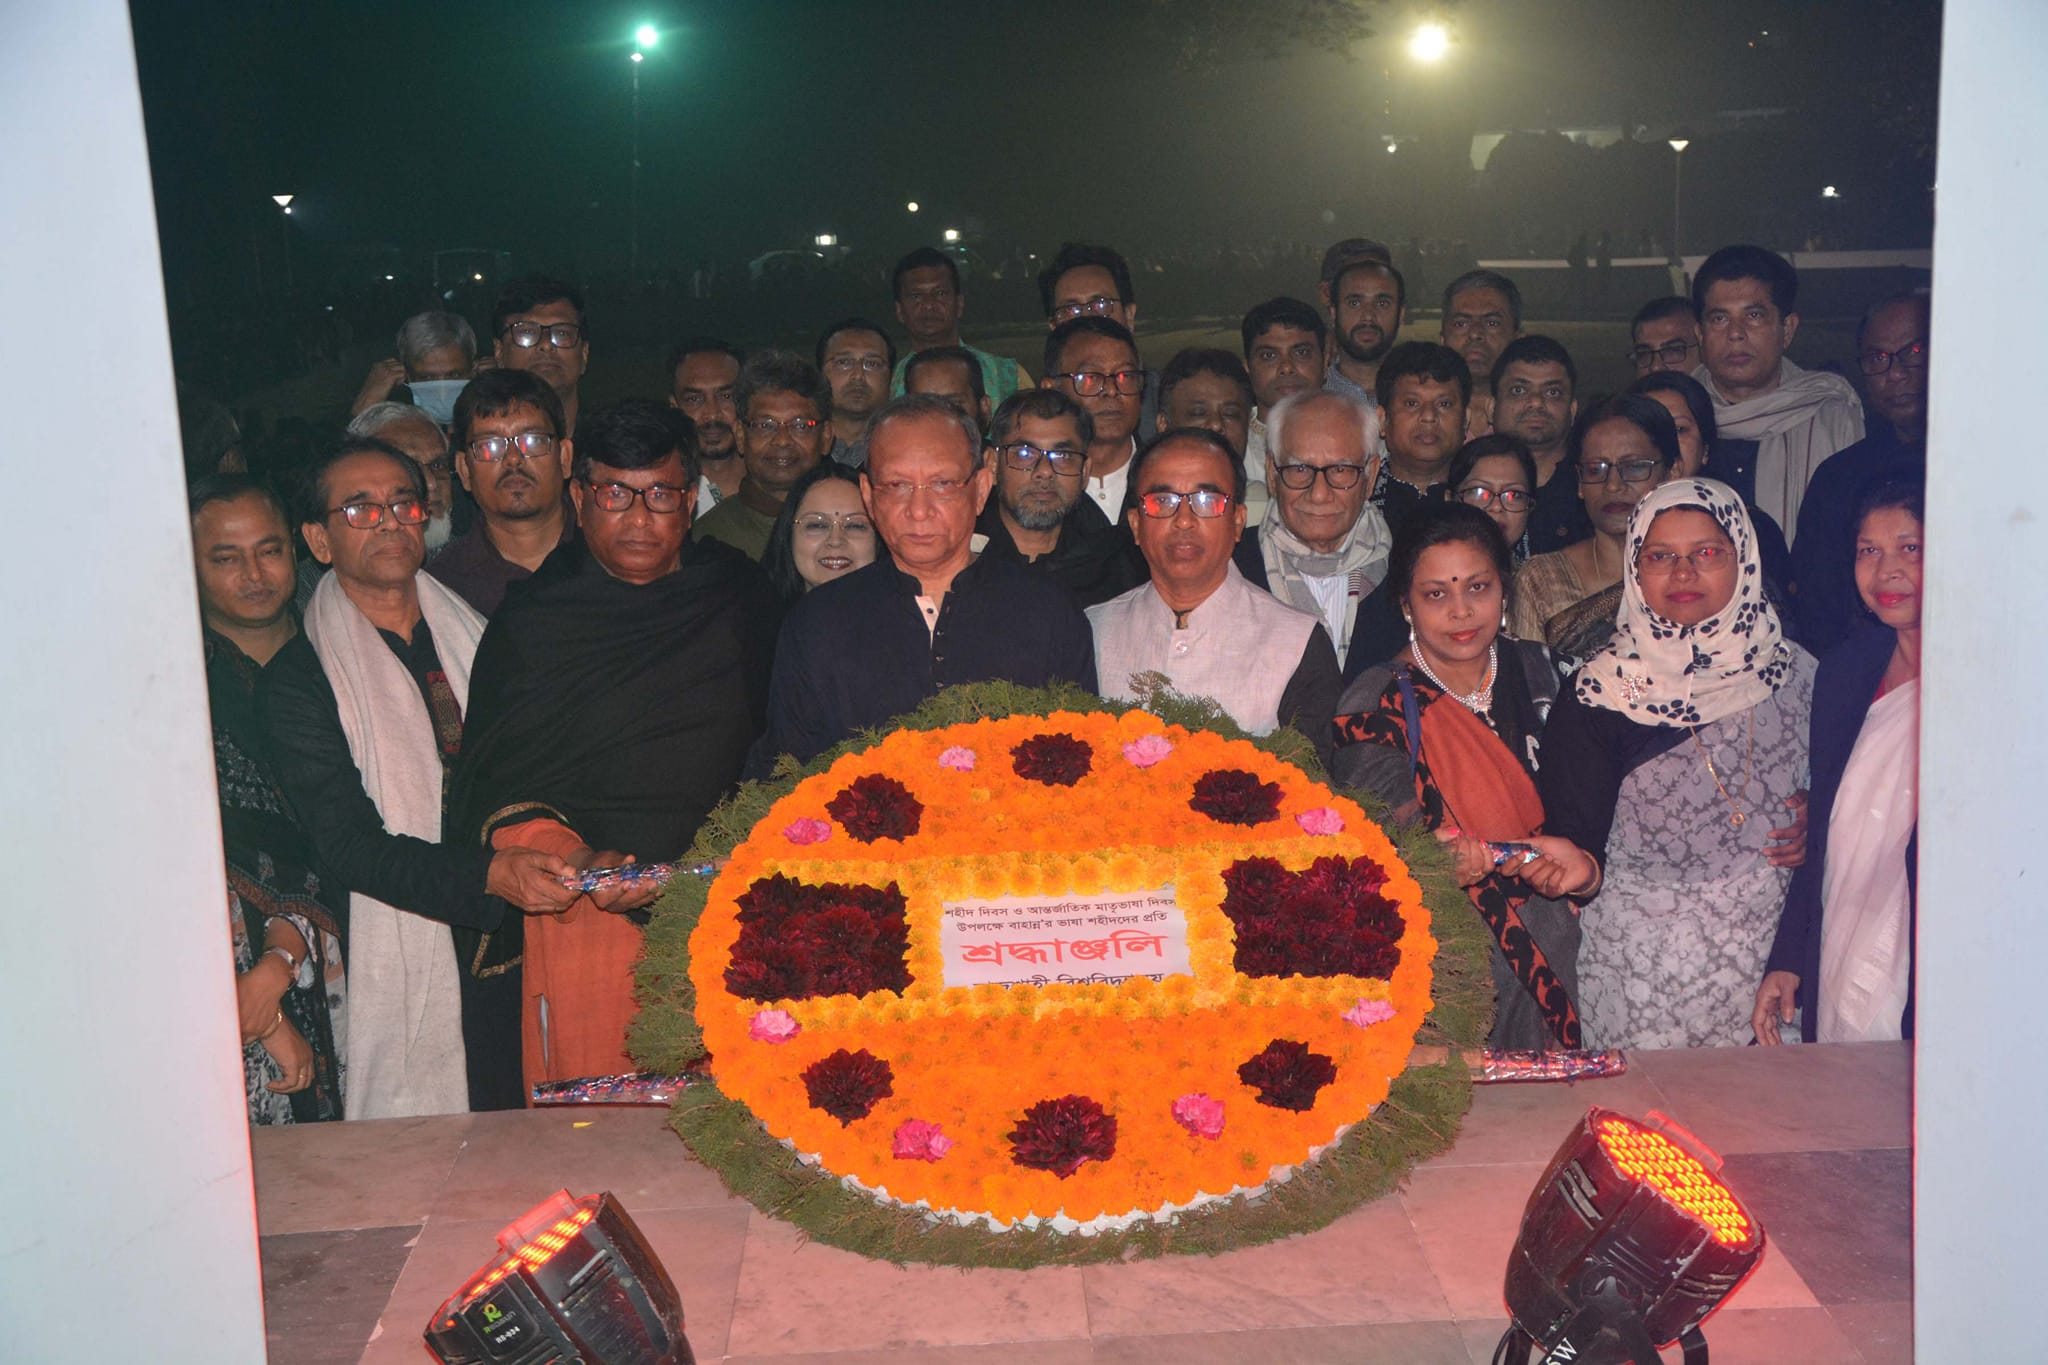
(1418, 1119)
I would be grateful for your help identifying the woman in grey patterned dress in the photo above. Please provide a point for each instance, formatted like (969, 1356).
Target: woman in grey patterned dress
(1667, 761)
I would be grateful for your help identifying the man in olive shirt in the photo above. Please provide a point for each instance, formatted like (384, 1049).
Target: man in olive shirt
(785, 427)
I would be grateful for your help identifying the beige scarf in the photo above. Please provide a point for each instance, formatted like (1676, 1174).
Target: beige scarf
(1808, 417)
(1290, 563)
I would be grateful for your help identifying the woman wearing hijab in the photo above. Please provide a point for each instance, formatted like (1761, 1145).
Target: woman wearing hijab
(1844, 950)
(1447, 732)
(1664, 763)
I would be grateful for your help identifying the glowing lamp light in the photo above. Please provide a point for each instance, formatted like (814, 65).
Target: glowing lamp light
(639, 57)
(911, 207)
(1679, 144)
(1628, 1242)
(647, 35)
(390, 278)
(283, 201)
(825, 239)
(574, 1279)
(478, 278)
(1393, 147)
(951, 234)
(1830, 192)
(1429, 43)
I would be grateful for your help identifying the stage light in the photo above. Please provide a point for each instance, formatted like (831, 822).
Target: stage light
(1627, 1243)
(573, 1280)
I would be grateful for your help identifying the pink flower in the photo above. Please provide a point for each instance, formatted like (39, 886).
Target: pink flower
(1200, 1115)
(807, 831)
(1146, 750)
(960, 760)
(773, 1026)
(1366, 1013)
(1321, 820)
(917, 1140)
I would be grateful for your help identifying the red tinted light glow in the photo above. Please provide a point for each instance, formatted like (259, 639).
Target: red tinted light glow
(535, 1254)
(1676, 1174)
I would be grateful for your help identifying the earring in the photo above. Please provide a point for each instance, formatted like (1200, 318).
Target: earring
(1411, 632)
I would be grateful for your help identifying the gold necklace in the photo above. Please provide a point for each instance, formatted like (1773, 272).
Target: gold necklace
(1736, 819)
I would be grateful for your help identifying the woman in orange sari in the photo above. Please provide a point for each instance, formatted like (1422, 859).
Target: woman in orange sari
(1447, 732)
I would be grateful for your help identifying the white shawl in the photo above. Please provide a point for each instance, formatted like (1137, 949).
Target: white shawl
(1808, 417)
(1866, 899)
(405, 1053)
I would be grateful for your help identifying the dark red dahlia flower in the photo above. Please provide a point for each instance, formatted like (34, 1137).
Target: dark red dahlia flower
(1236, 797)
(1287, 1075)
(876, 807)
(1058, 1135)
(1055, 760)
(847, 1085)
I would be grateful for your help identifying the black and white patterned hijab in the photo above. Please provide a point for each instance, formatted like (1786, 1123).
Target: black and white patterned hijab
(1657, 672)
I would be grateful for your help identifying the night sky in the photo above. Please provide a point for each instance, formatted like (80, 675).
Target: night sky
(506, 125)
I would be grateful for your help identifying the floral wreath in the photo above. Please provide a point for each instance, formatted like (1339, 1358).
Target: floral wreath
(1106, 1102)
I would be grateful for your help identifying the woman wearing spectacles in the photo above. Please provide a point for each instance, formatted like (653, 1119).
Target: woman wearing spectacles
(1666, 761)
(1446, 733)
(1497, 475)
(1620, 450)
(822, 532)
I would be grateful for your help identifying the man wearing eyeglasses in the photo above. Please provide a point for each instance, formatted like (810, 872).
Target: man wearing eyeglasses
(1664, 335)
(1891, 352)
(875, 643)
(1197, 621)
(1094, 361)
(414, 431)
(857, 357)
(1084, 280)
(1039, 446)
(612, 704)
(785, 425)
(512, 457)
(1323, 546)
(364, 713)
(1482, 314)
(1775, 421)
(539, 327)
(1535, 398)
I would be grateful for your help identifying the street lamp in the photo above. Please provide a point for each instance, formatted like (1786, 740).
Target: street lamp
(645, 37)
(1678, 146)
(284, 203)
(1830, 192)
(911, 207)
(952, 234)
(1429, 44)
(825, 239)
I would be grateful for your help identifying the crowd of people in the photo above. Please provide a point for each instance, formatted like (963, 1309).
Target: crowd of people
(1575, 636)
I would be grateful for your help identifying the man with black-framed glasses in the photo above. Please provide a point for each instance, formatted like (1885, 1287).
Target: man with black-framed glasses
(1094, 361)
(1197, 621)
(1891, 353)
(785, 427)
(364, 711)
(512, 454)
(538, 325)
(613, 701)
(1039, 445)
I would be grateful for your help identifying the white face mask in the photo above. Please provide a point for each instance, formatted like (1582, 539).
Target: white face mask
(437, 398)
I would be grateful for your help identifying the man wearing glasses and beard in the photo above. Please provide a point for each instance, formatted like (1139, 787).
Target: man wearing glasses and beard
(873, 644)
(612, 704)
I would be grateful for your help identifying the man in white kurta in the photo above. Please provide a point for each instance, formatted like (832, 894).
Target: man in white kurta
(1197, 623)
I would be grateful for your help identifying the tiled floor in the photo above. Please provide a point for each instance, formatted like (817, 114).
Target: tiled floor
(368, 1226)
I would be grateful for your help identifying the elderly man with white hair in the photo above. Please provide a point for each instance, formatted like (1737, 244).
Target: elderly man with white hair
(1323, 546)
(436, 357)
(414, 431)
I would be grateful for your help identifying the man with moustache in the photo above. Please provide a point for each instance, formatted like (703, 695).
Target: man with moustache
(785, 423)
(1038, 442)
(1482, 314)
(704, 375)
(949, 372)
(513, 457)
(1085, 280)
(1664, 335)
(1208, 387)
(930, 304)
(1197, 620)
(363, 713)
(1891, 351)
(1094, 361)
(416, 432)
(856, 357)
(1424, 390)
(1285, 351)
(1535, 397)
(875, 643)
(1775, 422)
(611, 706)
(540, 327)
(1368, 304)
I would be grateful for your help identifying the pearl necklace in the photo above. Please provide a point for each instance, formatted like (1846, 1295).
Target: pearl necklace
(1480, 699)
